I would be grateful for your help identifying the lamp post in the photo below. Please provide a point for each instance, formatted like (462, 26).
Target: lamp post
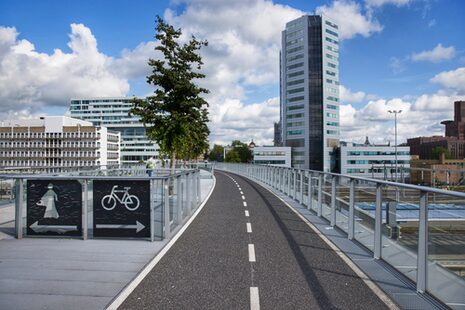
(395, 112)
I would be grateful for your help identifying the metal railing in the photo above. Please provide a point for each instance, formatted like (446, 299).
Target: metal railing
(420, 231)
(172, 197)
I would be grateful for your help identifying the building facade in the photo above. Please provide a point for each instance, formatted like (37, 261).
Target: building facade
(57, 141)
(309, 91)
(113, 113)
(374, 161)
(272, 155)
(453, 142)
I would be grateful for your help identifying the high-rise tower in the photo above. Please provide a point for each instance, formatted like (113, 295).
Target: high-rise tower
(310, 91)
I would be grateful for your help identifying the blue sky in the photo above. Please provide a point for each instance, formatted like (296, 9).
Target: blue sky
(398, 53)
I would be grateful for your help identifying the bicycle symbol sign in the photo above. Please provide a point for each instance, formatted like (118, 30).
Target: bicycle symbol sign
(131, 202)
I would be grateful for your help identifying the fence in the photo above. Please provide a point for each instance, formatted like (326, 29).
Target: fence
(420, 231)
(117, 203)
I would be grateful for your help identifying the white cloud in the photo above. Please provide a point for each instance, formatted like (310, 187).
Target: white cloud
(347, 96)
(348, 15)
(437, 54)
(30, 80)
(378, 3)
(454, 79)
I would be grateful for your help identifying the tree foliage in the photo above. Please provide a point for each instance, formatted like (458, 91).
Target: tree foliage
(438, 151)
(245, 154)
(233, 157)
(217, 153)
(176, 115)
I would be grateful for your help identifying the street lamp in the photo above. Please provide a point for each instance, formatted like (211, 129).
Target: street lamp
(395, 112)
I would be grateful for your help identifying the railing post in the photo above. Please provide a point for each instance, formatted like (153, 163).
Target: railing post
(152, 210)
(320, 194)
(85, 209)
(19, 209)
(302, 174)
(188, 194)
(289, 182)
(179, 194)
(422, 263)
(294, 187)
(378, 222)
(166, 208)
(310, 191)
(333, 200)
(351, 230)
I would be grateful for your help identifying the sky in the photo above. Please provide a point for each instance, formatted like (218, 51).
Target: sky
(406, 55)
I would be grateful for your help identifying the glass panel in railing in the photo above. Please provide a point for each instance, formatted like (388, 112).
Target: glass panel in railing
(7, 207)
(446, 252)
(305, 181)
(158, 208)
(314, 192)
(342, 203)
(291, 182)
(400, 214)
(364, 213)
(326, 197)
(172, 202)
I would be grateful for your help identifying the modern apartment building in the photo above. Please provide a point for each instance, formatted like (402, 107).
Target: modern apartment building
(113, 113)
(57, 141)
(272, 155)
(374, 161)
(309, 68)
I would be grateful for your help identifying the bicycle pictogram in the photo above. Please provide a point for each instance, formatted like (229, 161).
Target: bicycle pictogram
(131, 202)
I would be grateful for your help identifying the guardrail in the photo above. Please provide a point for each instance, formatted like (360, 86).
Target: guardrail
(117, 204)
(420, 231)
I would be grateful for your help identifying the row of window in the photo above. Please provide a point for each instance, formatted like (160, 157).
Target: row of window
(296, 90)
(46, 163)
(293, 42)
(298, 56)
(331, 65)
(375, 153)
(328, 72)
(295, 82)
(294, 66)
(298, 115)
(331, 40)
(331, 90)
(333, 115)
(332, 132)
(329, 81)
(295, 99)
(291, 75)
(332, 107)
(332, 49)
(333, 124)
(331, 57)
(331, 32)
(295, 132)
(377, 162)
(295, 49)
(327, 22)
(270, 162)
(333, 98)
(294, 34)
(269, 153)
(295, 124)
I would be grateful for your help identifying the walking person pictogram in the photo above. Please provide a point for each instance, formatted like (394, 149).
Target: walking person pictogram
(48, 200)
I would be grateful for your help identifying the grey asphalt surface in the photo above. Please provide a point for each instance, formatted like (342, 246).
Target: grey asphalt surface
(208, 267)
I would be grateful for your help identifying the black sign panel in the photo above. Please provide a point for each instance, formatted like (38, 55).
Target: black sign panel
(121, 208)
(54, 207)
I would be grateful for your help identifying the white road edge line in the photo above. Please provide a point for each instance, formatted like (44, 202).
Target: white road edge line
(378, 292)
(246, 213)
(131, 286)
(252, 253)
(245, 203)
(243, 197)
(254, 299)
(249, 227)
(242, 193)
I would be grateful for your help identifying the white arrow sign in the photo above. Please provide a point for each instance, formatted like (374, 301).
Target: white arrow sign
(58, 228)
(139, 226)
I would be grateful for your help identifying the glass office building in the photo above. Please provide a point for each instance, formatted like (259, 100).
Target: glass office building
(113, 113)
(309, 91)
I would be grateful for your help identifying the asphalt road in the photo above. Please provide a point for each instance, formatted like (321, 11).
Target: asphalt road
(247, 250)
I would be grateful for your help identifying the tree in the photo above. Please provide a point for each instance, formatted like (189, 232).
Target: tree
(176, 115)
(217, 153)
(233, 157)
(438, 151)
(245, 154)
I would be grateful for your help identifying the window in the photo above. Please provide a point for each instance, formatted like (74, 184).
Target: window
(297, 90)
(298, 41)
(294, 99)
(298, 115)
(294, 82)
(331, 32)
(290, 75)
(298, 56)
(300, 64)
(332, 98)
(294, 34)
(331, 57)
(295, 124)
(329, 73)
(295, 49)
(332, 132)
(333, 115)
(295, 107)
(295, 132)
(331, 90)
(331, 40)
(327, 22)
(333, 49)
(332, 107)
(331, 65)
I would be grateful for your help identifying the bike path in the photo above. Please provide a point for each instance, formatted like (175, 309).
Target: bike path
(247, 250)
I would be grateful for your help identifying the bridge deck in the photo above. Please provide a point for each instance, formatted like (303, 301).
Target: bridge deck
(220, 258)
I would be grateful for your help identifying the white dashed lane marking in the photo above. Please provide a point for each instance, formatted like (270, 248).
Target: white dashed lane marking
(246, 213)
(245, 203)
(254, 299)
(252, 253)
(243, 197)
(249, 227)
